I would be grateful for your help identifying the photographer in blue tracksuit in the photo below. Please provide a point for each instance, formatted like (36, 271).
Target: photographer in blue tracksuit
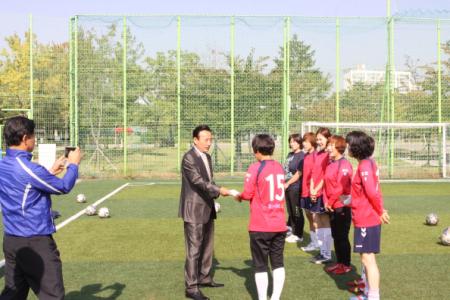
(31, 255)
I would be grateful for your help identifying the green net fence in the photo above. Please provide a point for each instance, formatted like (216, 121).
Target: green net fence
(130, 89)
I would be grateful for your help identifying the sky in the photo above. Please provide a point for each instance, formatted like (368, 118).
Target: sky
(51, 17)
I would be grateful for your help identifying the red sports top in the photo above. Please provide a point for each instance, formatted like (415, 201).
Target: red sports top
(338, 181)
(367, 201)
(265, 191)
(308, 163)
(321, 160)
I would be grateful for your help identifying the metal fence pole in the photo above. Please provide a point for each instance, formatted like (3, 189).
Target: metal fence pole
(75, 106)
(179, 92)
(31, 110)
(439, 65)
(124, 87)
(71, 82)
(283, 104)
(338, 67)
(232, 40)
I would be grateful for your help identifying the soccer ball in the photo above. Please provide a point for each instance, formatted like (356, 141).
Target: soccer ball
(81, 198)
(90, 210)
(445, 237)
(432, 219)
(103, 212)
(217, 206)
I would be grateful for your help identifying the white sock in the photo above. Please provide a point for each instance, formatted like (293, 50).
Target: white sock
(320, 240)
(262, 282)
(313, 236)
(328, 241)
(374, 294)
(278, 282)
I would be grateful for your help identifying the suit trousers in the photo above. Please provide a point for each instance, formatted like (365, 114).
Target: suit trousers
(199, 243)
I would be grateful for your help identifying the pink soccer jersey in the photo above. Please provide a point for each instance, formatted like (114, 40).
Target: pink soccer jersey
(266, 195)
(308, 164)
(321, 160)
(367, 201)
(338, 181)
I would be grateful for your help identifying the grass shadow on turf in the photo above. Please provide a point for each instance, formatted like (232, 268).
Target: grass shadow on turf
(248, 274)
(89, 292)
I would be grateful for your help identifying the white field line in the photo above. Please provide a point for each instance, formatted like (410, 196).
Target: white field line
(81, 212)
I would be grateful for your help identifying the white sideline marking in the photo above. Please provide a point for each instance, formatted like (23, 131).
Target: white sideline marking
(141, 183)
(81, 212)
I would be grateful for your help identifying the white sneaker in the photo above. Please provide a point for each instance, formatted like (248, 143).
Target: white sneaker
(310, 247)
(293, 239)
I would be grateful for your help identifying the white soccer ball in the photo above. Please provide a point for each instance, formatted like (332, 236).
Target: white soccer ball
(432, 219)
(90, 210)
(81, 198)
(103, 212)
(217, 206)
(445, 237)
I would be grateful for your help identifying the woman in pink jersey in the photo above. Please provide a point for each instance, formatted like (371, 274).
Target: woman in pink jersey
(317, 198)
(338, 182)
(367, 211)
(309, 146)
(264, 188)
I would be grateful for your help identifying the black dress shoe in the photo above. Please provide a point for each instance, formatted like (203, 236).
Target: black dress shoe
(197, 295)
(212, 284)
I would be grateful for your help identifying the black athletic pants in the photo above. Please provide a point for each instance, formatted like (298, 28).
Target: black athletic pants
(34, 263)
(340, 221)
(296, 219)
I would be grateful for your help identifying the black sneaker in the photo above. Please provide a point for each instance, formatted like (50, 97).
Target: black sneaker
(320, 259)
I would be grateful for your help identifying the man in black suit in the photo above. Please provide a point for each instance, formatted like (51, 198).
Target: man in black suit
(198, 192)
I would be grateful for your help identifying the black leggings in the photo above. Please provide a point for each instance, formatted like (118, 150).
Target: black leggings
(296, 219)
(340, 221)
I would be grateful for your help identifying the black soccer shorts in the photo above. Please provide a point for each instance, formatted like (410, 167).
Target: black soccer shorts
(265, 245)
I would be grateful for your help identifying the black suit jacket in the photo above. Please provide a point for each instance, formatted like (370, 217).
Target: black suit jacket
(197, 192)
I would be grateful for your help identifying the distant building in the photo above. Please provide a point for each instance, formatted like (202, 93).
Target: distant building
(403, 81)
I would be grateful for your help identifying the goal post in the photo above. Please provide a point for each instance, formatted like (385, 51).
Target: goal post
(402, 150)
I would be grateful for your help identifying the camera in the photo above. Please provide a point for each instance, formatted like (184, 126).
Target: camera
(67, 150)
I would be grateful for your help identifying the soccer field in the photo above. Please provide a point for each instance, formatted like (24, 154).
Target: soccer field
(138, 253)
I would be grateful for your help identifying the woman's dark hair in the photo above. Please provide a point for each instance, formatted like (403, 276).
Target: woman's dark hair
(199, 128)
(324, 131)
(16, 128)
(360, 145)
(339, 143)
(311, 138)
(297, 138)
(264, 144)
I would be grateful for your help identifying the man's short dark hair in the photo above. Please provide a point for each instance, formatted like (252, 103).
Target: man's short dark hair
(16, 128)
(264, 144)
(360, 145)
(199, 128)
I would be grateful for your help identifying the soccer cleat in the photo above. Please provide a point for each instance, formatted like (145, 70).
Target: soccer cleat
(310, 247)
(356, 282)
(359, 289)
(342, 270)
(320, 259)
(332, 267)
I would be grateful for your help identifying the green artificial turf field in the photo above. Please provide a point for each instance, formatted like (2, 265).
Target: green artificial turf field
(138, 253)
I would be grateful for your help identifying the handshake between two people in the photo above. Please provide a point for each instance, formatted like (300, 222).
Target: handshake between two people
(73, 155)
(230, 192)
